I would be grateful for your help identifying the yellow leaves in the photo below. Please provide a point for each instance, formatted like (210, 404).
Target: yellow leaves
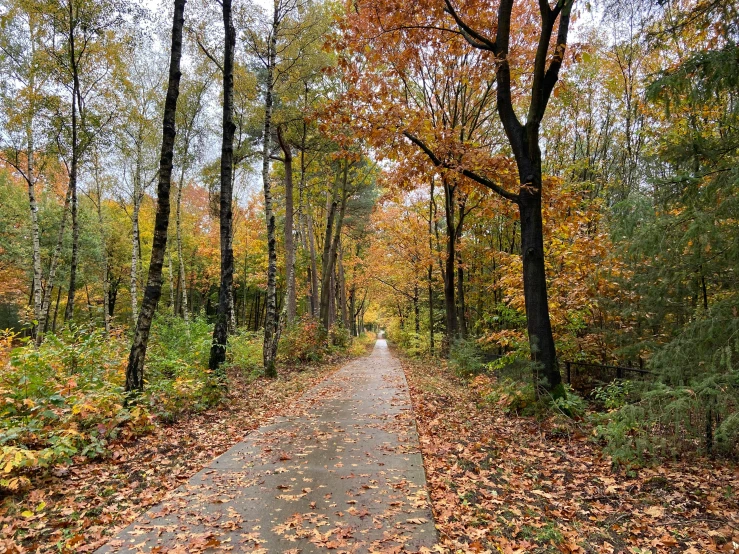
(85, 408)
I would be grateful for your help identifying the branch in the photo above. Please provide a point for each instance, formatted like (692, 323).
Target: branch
(552, 74)
(208, 54)
(470, 35)
(466, 172)
(508, 117)
(396, 289)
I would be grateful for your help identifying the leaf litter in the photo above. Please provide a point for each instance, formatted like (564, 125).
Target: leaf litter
(500, 483)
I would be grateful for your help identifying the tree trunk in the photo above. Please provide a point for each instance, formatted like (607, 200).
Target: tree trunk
(225, 292)
(38, 327)
(462, 319)
(135, 254)
(69, 310)
(450, 306)
(56, 308)
(103, 240)
(416, 312)
(112, 293)
(153, 291)
(431, 270)
(342, 289)
(535, 290)
(46, 304)
(289, 236)
(180, 258)
(352, 308)
(271, 322)
(331, 246)
(314, 301)
(171, 279)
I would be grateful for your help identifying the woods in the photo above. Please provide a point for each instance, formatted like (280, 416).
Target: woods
(504, 189)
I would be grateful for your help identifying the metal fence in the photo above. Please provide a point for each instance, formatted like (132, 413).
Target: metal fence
(584, 377)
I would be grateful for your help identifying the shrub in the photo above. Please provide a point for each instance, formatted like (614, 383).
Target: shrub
(245, 352)
(339, 336)
(571, 404)
(66, 398)
(303, 341)
(362, 344)
(695, 405)
(466, 358)
(178, 378)
(614, 395)
(512, 396)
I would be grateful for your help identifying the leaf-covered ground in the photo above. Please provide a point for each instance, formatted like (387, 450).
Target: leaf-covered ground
(502, 483)
(69, 509)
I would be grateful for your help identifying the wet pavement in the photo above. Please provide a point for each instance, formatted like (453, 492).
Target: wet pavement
(341, 473)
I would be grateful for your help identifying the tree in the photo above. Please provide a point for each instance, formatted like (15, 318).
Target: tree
(225, 216)
(270, 42)
(153, 291)
(22, 97)
(523, 138)
(141, 82)
(83, 49)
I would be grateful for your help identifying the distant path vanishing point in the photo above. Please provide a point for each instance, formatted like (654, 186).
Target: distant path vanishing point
(342, 472)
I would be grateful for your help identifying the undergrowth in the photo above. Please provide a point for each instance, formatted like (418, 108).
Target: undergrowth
(65, 401)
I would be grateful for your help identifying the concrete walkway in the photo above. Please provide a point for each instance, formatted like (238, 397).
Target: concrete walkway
(343, 473)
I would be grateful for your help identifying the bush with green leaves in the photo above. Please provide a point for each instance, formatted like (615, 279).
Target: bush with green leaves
(694, 405)
(513, 396)
(615, 394)
(339, 336)
(570, 404)
(303, 341)
(245, 352)
(66, 398)
(466, 358)
(178, 379)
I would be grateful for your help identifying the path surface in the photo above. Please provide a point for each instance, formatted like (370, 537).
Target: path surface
(343, 473)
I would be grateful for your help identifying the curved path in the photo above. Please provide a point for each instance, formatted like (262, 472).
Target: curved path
(343, 473)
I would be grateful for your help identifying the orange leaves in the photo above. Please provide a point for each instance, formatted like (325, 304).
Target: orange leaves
(502, 483)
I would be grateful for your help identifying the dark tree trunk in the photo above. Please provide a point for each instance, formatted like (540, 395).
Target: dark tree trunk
(462, 318)
(225, 292)
(271, 322)
(331, 247)
(153, 291)
(524, 142)
(543, 352)
(432, 204)
(114, 283)
(314, 298)
(450, 305)
(69, 310)
(416, 312)
(352, 307)
(341, 284)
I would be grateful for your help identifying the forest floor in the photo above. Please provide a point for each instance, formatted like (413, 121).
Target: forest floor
(71, 508)
(509, 484)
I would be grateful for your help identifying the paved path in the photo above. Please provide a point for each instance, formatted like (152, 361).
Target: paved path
(342, 474)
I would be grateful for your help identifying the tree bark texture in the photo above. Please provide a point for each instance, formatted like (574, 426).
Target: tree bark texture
(271, 322)
(287, 156)
(76, 103)
(225, 291)
(331, 244)
(153, 291)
